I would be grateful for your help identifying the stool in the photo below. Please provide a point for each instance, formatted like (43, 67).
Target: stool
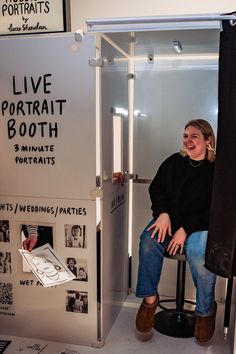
(176, 322)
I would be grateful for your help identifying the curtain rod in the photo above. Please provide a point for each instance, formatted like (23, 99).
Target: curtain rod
(126, 23)
(159, 19)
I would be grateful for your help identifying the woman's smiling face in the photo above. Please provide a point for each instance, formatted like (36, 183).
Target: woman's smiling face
(194, 143)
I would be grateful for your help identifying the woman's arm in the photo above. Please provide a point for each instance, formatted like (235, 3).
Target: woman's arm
(30, 242)
(157, 191)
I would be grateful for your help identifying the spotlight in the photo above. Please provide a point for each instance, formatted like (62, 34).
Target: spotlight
(177, 46)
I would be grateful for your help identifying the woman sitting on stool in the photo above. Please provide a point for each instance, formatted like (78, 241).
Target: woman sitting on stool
(181, 197)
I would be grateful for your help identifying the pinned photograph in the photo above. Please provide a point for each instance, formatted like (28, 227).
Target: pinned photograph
(77, 301)
(4, 231)
(75, 236)
(5, 262)
(46, 266)
(78, 267)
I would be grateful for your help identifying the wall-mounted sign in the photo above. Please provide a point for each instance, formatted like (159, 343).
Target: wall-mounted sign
(31, 16)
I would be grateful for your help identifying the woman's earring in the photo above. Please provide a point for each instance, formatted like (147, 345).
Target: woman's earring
(209, 147)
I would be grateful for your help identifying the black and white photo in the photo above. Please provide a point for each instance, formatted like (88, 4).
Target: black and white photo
(75, 236)
(5, 262)
(77, 301)
(4, 231)
(78, 267)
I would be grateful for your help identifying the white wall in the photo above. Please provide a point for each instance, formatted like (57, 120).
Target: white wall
(88, 9)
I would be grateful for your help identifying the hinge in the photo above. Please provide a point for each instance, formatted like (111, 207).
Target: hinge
(131, 76)
(151, 58)
(96, 62)
(96, 193)
(131, 175)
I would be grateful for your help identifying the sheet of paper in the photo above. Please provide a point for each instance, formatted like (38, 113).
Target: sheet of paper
(46, 266)
(31, 349)
(3, 345)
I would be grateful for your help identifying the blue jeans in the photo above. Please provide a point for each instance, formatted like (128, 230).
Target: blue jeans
(151, 262)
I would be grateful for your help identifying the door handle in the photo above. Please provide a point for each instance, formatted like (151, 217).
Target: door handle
(142, 180)
(136, 179)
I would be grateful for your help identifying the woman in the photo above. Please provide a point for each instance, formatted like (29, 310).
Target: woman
(71, 264)
(181, 197)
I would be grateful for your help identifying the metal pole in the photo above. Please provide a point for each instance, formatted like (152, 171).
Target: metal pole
(159, 19)
(228, 306)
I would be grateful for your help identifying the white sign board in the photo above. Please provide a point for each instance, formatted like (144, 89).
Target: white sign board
(47, 117)
(66, 312)
(31, 16)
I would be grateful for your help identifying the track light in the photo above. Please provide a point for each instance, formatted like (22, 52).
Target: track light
(177, 46)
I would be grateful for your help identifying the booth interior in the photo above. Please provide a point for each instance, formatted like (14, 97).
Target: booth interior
(175, 80)
(174, 72)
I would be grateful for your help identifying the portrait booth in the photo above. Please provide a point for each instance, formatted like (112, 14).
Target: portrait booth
(51, 163)
(75, 109)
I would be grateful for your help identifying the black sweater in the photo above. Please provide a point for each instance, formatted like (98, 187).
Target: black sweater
(184, 192)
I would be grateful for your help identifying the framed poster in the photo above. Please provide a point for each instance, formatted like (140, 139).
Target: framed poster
(29, 17)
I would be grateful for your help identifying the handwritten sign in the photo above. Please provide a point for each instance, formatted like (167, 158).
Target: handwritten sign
(47, 116)
(21, 86)
(31, 16)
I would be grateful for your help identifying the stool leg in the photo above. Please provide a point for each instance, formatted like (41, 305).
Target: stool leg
(181, 271)
(177, 322)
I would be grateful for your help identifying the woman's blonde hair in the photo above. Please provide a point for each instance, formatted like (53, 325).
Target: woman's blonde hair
(208, 133)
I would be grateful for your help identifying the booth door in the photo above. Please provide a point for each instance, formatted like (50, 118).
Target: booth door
(48, 178)
(114, 146)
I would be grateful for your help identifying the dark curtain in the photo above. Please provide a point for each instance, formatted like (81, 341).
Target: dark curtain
(221, 245)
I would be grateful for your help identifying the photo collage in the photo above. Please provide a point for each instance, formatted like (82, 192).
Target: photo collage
(75, 236)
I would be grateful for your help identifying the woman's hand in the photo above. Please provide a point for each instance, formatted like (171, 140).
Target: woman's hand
(162, 225)
(177, 241)
(118, 177)
(30, 242)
